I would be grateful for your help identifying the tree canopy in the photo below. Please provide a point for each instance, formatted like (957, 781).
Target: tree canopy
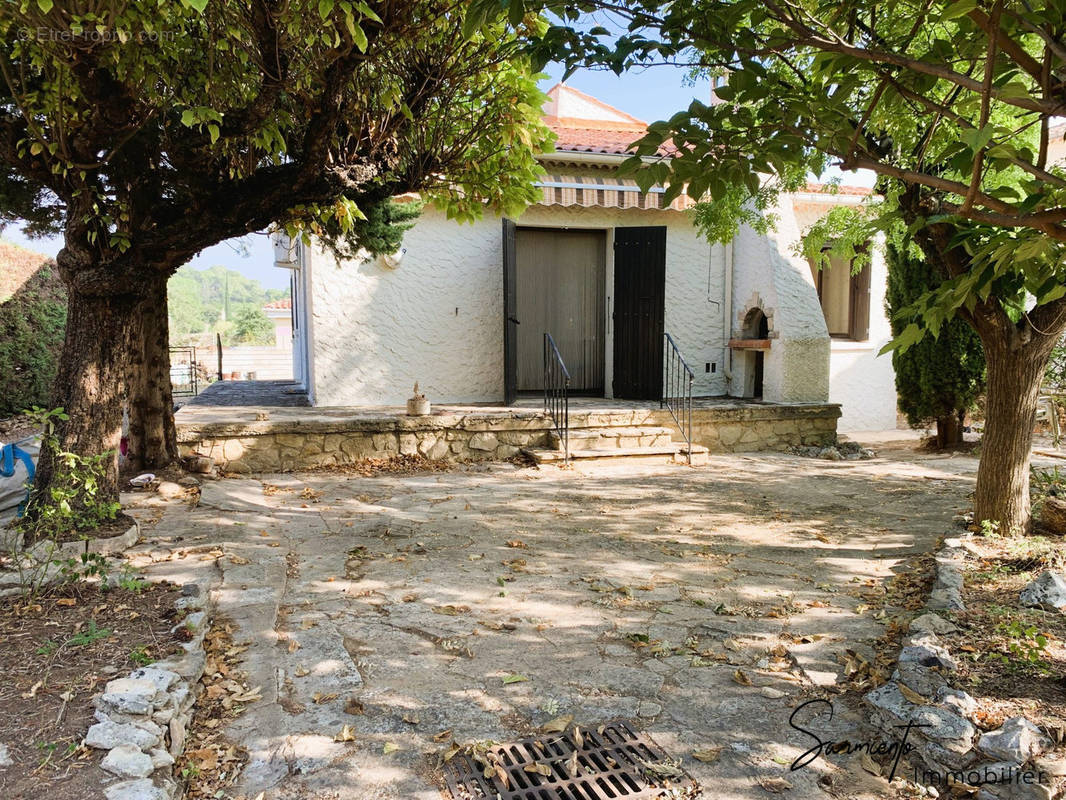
(156, 129)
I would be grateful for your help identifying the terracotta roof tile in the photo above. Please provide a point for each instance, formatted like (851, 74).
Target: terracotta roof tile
(574, 137)
(279, 304)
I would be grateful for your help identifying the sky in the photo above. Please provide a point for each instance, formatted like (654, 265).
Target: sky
(651, 94)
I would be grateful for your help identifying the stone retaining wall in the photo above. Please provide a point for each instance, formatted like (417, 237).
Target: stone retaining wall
(280, 440)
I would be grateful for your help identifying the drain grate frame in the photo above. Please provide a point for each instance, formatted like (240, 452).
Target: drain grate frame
(609, 760)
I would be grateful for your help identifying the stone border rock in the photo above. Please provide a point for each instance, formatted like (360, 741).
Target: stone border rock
(143, 719)
(49, 556)
(920, 693)
(53, 550)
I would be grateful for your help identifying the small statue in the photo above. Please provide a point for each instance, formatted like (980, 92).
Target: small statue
(418, 405)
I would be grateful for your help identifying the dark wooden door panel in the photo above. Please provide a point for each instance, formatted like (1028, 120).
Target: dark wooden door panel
(639, 310)
(510, 309)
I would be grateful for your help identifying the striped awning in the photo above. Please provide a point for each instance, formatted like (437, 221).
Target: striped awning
(594, 191)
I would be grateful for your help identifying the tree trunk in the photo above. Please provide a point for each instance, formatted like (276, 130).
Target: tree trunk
(152, 440)
(948, 430)
(90, 386)
(1014, 377)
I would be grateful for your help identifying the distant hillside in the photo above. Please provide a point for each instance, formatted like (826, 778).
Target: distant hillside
(219, 300)
(33, 316)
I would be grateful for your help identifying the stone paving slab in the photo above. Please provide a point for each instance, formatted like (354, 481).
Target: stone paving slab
(487, 601)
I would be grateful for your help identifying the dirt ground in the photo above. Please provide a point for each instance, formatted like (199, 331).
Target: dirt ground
(1014, 659)
(385, 616)
(56, 652)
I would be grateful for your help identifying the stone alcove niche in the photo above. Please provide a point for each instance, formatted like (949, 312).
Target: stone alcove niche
(750, 349)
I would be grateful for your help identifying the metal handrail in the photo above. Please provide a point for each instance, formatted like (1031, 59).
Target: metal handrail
(678, 378)
(557, 393)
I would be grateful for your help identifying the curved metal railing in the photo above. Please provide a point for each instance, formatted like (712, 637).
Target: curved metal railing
(557, 393)
(678, 378)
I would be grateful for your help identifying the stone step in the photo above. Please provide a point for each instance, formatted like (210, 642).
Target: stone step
(652, 454)
(602, 438)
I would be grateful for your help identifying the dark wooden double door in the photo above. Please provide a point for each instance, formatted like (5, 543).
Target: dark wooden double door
(555, 280)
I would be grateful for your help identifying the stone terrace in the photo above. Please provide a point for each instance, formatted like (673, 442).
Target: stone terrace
(265, 438)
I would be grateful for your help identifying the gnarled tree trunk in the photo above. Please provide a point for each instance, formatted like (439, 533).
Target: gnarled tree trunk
(152, 440)
(90, 386)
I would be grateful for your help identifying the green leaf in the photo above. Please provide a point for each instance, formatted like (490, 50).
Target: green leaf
(325, 8)
(976, 138)
(516, 10)
(959, 9)
(197, 5)
(358, 35)
(475, 18)
(368, 12)
(45, 5)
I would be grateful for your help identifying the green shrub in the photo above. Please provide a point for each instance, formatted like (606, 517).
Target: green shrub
(32, 324)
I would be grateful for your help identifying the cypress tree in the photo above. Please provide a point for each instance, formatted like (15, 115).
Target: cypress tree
(936, 379)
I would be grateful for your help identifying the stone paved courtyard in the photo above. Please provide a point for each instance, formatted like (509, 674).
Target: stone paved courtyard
(490, 600)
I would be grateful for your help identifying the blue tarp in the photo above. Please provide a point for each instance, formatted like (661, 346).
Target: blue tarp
(17, 467)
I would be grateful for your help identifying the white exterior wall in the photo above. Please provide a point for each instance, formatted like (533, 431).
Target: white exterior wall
(861, 381)
(438, 317)
(767, 275)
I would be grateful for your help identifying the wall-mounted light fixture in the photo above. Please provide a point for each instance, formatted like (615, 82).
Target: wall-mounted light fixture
(392, 261)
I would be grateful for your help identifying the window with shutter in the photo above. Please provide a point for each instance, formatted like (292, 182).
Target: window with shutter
(845, 299)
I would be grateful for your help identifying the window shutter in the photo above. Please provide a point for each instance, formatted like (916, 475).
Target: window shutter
(860, 305)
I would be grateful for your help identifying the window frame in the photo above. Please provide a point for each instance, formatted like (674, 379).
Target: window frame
(858, 302)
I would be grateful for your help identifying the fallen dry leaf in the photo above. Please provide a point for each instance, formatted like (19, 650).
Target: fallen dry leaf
(346, 734)
(205, 758)
(870, 765)
(775, 785)
(451, 611)
(558, 725)
(707, 754)
(911, 696)
(249, 696)
(741, 677)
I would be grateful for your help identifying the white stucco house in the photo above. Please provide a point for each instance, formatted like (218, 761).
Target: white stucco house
(607, 270)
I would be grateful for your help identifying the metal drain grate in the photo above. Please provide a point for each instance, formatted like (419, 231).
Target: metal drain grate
(612, 764)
